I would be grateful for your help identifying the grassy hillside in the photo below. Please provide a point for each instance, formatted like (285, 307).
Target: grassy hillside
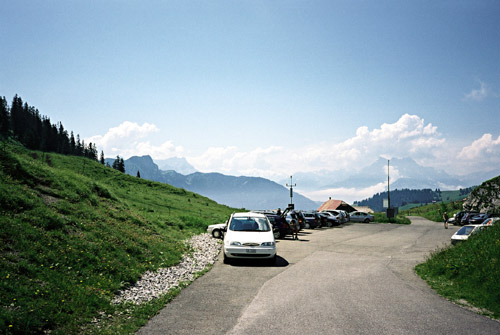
(73, 232)
(434, 212)
(468, 273)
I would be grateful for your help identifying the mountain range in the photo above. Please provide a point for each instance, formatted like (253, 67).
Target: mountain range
(239, 192)
(261, 193)
(404, 173)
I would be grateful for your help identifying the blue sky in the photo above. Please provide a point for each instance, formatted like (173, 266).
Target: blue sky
(264, 88)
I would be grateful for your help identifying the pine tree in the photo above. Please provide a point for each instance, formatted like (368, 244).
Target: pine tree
(138, 174)
(102, 157)
(72, 144)
(121, 166)
(16, 117)
(4, 117)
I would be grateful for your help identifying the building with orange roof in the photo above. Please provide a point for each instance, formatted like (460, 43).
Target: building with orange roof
(336, 205)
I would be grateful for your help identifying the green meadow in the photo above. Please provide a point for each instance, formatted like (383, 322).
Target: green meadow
(73, 232)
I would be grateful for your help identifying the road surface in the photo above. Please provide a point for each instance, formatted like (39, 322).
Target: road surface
(353, 279)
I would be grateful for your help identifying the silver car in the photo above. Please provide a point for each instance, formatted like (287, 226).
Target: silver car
(361, 217)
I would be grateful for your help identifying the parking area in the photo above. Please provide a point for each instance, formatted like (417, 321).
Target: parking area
(352, 279)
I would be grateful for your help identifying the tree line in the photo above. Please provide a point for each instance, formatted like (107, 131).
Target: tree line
(401, 197)
(406, 196)
(25, 124)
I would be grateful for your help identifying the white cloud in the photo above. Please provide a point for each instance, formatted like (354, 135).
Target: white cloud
(410, 134)
(347, 194)
(478, 94)
(483, 154)
(130, 139)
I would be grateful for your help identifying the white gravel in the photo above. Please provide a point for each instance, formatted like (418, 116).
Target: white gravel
(154, 284)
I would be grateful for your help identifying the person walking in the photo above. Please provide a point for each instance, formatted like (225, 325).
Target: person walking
(445, 218)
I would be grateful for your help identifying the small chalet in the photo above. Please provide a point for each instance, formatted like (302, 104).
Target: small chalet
(336, 205)
(365, 209)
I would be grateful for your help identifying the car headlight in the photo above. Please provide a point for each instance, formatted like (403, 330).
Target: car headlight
(267, 244)
(235, 243)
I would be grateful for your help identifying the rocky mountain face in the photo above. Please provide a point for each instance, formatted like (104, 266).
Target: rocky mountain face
(238, 192)
(485, 198)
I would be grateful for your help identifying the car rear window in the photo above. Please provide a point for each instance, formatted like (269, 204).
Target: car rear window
(249, 224)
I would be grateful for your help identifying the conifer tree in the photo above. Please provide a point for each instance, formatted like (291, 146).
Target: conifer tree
(102, 157)
(119, 164)
(4, 117)
(16, 117)
(138, 174)
(72, 144)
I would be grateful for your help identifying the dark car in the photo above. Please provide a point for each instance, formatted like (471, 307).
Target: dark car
(328, 219)
(296, 216)
(467, 216)
(479, 218)
(280, 227)
(457, 218)
(311, 220)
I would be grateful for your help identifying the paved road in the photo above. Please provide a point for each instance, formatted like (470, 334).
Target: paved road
(355, 279)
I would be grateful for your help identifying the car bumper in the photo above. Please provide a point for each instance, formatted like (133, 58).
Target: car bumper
(249, 252)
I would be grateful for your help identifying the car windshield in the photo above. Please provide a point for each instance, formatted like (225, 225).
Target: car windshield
(249, 224)
(465, 230)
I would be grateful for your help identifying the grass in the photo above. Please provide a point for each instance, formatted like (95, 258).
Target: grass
(381, 217)
(468, 273)
(73, 232)
(434, 212)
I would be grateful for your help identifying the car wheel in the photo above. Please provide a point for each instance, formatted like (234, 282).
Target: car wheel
(276, 234)
(216, 233)
(367, 220)
(307, 226)
(329, 224)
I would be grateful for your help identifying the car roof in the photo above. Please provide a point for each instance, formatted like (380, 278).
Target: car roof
(249, 214)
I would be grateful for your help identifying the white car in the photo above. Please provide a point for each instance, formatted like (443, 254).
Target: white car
(463, 233)
(217, 230)
(249, 236)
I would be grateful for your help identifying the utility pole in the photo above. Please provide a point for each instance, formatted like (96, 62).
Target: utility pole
(388, 191)
(291, 192)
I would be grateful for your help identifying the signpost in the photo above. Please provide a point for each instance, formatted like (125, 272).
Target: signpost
(290, 205)
(390, 211)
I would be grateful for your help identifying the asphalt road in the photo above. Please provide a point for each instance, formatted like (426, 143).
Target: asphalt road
(353, 279)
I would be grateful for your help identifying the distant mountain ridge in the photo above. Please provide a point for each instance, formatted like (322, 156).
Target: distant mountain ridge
(238, 192)
(405, 174)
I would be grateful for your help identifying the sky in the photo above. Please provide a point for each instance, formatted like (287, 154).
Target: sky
(264, 88)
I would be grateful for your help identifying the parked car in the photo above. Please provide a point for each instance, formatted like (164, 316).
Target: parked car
(321, 219)
(330, 219)
(361, 217)
(249, 236)
(217, 230)
(296, 216)
(457, 218)
(463, 233)
(466, 217)
(347, 216)
(311, 220)
(479, 218)
(491, 221)
(280, 227)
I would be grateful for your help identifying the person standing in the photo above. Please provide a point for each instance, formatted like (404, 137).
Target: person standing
(445, 218)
